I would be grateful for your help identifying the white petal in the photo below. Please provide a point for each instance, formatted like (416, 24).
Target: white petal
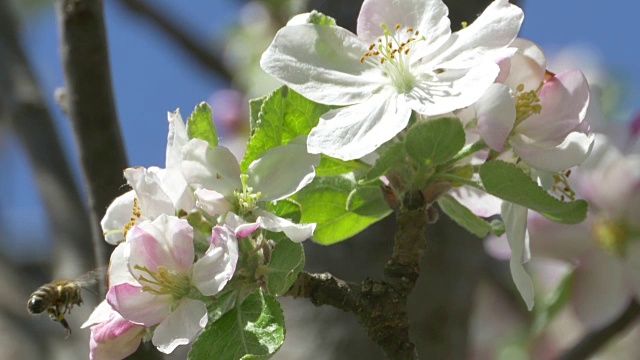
(211, 168)
(153, 200)
(496, 111)
(478, 201)
(515, 221)
(212, 271)
(354, 131)
(323, 64)
(118, 272)
(181, 326)
(100, 314)
(429, 17)
(212, 202)
(176, 139)
(295, 232)
(599, 293)
(528, 65)
(484, 39)
(551, 156)
(118, 215)
(176, 187)
(452, 89)
(282, 171)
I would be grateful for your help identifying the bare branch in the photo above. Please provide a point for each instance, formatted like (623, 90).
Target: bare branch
(595, 340)
(91, 108)
(202, 54)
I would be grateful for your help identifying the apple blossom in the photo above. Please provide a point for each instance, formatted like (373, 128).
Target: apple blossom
(239, 199)
(154, 191)
(606, 247)
(159, 256)
(112, 336)
(539, 116)
(388, 70)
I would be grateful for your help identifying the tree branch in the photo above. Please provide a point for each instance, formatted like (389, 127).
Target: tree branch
(595, 340)
(91, 108)
(202, 54)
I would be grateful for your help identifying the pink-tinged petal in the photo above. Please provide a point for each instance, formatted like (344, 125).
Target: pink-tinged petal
(118, 272)
(528, 65)
(429, 17)
(153, 200)
(452, 89)
(604, 152)
(559, 241)
(167, 241)
(176, 139)
(496, 111)
(515, 221)
(478, 201)
(139, 306)
(552, 156)
(116, 339)
(493, 30)
(118, 215)
(244, 230)
(323, 64)
(599, 293)
(181, 326)
(282, 171)
(505, 69)
(210, 168)
(212, 271)
(212, 202)
(564, 99)
(354, 131)
(295, 232)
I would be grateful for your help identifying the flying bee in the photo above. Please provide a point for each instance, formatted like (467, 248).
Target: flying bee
(58, 297)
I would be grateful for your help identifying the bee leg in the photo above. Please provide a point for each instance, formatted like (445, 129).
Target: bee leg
(64, 323)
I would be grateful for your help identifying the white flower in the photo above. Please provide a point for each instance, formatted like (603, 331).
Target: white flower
(221, 190)
(388, 70)
(155, 191)
(155, 275)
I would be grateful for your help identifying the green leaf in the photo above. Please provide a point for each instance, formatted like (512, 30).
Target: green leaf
(331, 167)
(283, 116)
(287, 209)
(340, 207)
(394, 156)
(200, 125)
(435, 141)
(287, 260)
(552, 304)
(463, 216)
(225, 301)
(510, 183)
(252, 330)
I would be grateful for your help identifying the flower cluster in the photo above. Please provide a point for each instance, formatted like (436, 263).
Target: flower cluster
(159, 283)
(405, 60)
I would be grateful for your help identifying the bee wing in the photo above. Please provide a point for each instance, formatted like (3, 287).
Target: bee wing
(91, 278)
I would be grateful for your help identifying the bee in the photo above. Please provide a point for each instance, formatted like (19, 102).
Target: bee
(57, 298)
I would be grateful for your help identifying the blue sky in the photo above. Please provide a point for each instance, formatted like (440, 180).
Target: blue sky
(152, 76)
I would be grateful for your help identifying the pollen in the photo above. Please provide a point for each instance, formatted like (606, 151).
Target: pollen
(164, 281)
(612, 235)
(133, 220)
(561, 187)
